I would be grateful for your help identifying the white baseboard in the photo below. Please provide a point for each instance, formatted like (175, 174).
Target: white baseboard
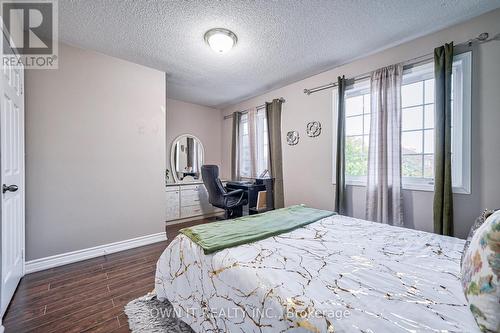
(97, 251)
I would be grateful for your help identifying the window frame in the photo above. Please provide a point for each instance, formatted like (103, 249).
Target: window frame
(260, 115)
(462, 79)
(351, 89)
(243, 123)
(359, 88)
(462, 82)
(415, 74)
(464, 173)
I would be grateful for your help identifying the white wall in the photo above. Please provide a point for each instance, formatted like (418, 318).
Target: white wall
(200, 121)
(95, 153)
(307, 166)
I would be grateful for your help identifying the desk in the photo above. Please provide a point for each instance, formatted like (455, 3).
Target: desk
(252, 190)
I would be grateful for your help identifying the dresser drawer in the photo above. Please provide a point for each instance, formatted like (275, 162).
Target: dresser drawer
(175, 193)
(173, 205)
(190, 200)
(187, 200)
(173, 188)
(188, 194)
(173, 198)
(173, 213)
(191, 191)
(187, 211)
(192, 187)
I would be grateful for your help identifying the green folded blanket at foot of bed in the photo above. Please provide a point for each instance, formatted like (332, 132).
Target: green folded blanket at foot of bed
(216, 236)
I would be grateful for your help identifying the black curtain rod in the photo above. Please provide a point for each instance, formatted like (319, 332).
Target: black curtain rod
(481, 38)
(258, 107)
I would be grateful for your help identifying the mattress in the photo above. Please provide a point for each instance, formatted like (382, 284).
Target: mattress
(338, 274)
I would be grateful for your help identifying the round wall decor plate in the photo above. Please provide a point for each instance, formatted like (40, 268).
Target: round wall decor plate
(292, 138)
(313, 129)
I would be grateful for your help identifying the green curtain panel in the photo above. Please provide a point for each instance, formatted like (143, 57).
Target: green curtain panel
(443, 195)
(235, 147)
(340, 158)
(273, 115)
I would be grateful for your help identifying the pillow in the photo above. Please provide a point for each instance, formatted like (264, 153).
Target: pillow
(477, 223)
(481, 274)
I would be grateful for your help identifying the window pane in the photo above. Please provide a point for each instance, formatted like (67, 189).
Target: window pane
(429, 91)
(354, 105)
(367, 124)
(412, 166)
(429, 141)
(356, 161)
(366, 143)
(259, 151)
(412, 118)
(354, 125)
(411, 142)
(429, 116)
(356, 165)
(412, 94)
(429, 166)
(367, 104)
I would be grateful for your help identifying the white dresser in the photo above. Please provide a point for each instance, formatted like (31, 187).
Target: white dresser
(188, 200)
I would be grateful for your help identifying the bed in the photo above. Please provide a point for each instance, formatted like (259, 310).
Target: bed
(338, 274)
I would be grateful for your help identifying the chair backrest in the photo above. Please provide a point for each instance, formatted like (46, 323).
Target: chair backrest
(210, 175)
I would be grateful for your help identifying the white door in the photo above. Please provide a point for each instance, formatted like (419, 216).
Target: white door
(12, 178)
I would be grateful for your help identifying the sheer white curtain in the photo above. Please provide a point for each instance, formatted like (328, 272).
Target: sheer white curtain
(253, 141)
(383, 195)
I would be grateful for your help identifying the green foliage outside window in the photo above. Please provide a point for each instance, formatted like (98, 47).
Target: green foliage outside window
(356, 160)
(412, 166)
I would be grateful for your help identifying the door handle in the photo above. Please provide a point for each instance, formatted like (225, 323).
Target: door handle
(10, 188)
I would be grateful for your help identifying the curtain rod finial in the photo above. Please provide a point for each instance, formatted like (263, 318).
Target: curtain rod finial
(307, 91)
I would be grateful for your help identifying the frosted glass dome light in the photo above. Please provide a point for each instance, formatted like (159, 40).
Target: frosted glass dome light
(220, 40)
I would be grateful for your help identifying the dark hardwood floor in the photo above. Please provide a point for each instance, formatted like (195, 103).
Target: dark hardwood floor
(87, 296)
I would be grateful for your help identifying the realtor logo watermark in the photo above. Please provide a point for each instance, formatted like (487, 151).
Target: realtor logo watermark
(32, 30)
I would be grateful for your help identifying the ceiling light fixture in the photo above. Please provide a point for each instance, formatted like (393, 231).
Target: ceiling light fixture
(220, 40)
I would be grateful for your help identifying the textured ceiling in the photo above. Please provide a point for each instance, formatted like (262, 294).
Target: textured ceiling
(278, 41)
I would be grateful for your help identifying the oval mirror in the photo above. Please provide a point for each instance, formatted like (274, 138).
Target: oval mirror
(186, 158)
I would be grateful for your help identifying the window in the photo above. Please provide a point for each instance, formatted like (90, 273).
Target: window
(357, 125)
(417, 128)
(254, 147)
(245, 163)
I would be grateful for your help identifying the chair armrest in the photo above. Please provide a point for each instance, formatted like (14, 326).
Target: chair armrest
(226, 196)
(232, 193)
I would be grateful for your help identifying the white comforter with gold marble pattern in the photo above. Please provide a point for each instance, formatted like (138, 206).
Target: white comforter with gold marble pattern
(336, 275)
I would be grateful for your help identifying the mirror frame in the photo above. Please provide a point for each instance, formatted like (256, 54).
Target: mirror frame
(172, 152)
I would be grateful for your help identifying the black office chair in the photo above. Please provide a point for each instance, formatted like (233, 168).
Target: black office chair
(232, 202)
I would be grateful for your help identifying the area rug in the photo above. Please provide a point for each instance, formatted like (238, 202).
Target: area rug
(147, 314)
